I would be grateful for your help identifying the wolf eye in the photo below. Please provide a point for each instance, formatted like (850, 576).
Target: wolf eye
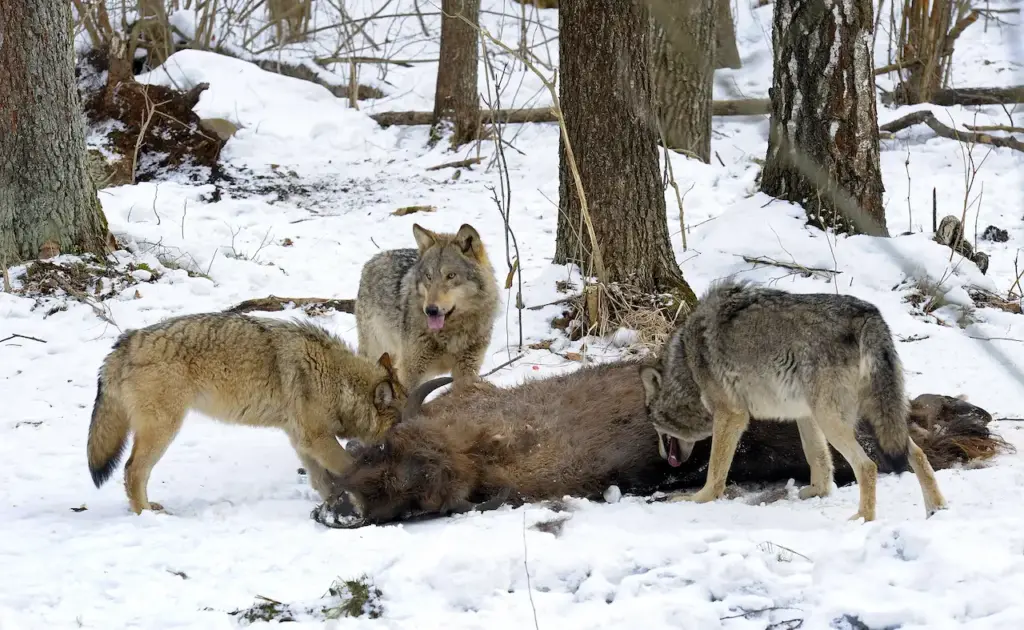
(451, 276)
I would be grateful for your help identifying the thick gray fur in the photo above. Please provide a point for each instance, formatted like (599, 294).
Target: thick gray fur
(821, 360)
(449, 273)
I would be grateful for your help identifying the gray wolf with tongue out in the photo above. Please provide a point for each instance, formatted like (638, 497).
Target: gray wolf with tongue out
(433, 308)
(821, 360)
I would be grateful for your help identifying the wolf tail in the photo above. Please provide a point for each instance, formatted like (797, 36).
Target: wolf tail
(108, 434)
(887, 407)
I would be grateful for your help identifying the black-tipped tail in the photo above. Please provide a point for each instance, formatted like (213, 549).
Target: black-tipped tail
(108, 435)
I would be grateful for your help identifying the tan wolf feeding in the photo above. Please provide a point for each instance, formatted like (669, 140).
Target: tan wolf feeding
(821, 360)
(433, 309)
(239, 370)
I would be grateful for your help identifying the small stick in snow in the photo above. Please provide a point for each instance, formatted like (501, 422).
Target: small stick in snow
(503, 365)
(17, 336)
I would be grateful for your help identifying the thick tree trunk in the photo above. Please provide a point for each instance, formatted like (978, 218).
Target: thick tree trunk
(46, 195)
(683, 65)
(823, 137)
(456, 99)
(727, 53)
(605, 94)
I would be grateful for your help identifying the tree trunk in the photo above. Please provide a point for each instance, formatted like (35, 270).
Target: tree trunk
(683, 64)
(922, 39)
(456, 99)
(605, 93)
(48, 202)
(823, 136)
(727, 53)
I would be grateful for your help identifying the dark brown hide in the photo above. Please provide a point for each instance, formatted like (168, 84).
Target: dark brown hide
(578, 433)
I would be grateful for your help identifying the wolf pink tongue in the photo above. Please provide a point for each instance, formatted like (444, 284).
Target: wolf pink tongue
(673, 452)
(435, 322)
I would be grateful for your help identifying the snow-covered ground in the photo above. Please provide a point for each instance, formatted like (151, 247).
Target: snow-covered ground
(238, 525)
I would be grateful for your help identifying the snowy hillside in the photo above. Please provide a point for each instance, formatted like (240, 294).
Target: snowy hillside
(238, 525)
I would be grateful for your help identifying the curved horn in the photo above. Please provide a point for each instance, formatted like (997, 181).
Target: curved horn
(417, 396)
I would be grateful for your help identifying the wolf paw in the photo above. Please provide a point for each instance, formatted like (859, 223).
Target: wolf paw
(809, 492)
(701, 496)
(860, 515)
(931, 511)
(480, 385)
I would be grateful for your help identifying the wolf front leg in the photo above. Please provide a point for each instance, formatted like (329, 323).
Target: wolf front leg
(725, 437)
(466, 369)
(324, 449)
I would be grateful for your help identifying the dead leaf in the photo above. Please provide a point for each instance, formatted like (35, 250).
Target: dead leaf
(80, 508)
(511, 274)
(137, 294)
(573, 356)
(541, 345)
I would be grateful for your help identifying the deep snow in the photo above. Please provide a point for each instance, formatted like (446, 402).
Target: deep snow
(238, 522)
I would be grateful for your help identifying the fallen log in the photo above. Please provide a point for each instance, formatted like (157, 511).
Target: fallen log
(272, 303)
(743, 107)
(969, 96)
(579, 433)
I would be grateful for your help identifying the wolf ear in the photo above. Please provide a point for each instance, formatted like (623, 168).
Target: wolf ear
(425, 239)
(385, 362)
(383, 396)
(651, 378)
(468, 240)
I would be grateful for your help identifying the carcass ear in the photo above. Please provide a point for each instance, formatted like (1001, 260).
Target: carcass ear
(651, 378)
(425, 239)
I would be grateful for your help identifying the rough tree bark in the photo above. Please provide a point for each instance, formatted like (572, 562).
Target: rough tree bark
(605, 93)
(727, 53)
(456, 99)
(823, 113)
(683, 71)
(48, 202)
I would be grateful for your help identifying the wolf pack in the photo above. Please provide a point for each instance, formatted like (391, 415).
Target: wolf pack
(826, 363)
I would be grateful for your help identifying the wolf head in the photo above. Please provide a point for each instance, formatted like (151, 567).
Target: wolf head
(453, 273)
(673, 404)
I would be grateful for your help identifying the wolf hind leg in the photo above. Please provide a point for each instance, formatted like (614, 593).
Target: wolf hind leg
(819, 459)
(839, 431)
(933, 499)
(155, 429)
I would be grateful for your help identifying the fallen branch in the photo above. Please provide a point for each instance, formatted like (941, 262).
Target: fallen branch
(273, 303)
(17, 336)
(457, 164)
(743, 107)
(971, 96)
(760, 260)
(941, 130)
(1003, 128)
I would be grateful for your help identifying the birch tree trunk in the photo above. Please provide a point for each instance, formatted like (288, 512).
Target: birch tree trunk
(456, 99)
(824, 121)
(605, 94)
(48, 201)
